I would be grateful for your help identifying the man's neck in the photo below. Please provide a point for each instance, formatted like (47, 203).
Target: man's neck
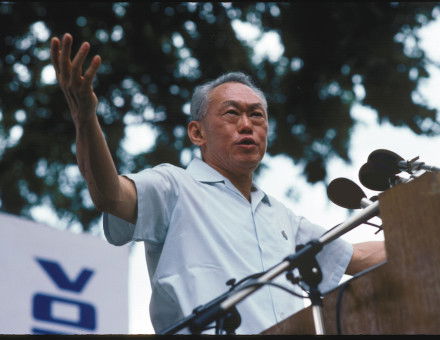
(242, 182)
(241, 179)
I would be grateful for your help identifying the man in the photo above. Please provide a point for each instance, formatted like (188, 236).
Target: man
(208, 223)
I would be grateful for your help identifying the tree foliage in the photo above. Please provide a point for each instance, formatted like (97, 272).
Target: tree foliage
(155, 53)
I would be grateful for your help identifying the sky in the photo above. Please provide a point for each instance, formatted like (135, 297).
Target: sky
(282, 173)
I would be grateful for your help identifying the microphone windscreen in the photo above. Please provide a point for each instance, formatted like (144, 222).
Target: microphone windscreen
(374, 177)
(387, 160)
(345, 193)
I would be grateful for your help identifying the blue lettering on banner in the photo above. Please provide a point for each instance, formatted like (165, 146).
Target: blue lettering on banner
(42, 310)
(42, 303)
(60, 278)
(36, 330)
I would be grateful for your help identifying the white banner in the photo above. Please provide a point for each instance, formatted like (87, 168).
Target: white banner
(54, 281)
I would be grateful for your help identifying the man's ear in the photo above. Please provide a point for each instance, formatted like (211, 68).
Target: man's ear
(195, 133)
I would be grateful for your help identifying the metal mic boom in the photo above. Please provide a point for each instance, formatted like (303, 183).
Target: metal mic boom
(353, 221)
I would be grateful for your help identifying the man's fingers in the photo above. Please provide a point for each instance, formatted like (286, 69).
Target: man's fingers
(55, 54)
(91, 71)
(79, 60)
(65, 54)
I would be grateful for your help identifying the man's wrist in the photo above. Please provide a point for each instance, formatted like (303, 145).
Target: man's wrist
(84, 124)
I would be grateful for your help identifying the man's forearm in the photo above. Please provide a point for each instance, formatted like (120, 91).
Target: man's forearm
(96, 164)
(365, 255)
(109, 191)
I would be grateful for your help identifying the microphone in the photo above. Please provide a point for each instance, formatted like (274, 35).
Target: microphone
(375, 177)
(347, 194)
(380, 171)
(386, 160)
(394, 163)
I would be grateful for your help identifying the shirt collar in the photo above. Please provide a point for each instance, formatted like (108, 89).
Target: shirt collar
(203, 172)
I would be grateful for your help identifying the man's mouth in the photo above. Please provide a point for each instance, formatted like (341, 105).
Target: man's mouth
(246, 141)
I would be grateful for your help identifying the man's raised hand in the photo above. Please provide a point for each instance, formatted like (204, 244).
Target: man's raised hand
(77, 87)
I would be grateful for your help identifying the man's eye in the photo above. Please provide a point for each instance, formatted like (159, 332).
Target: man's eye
(257, 114)
(232, 112)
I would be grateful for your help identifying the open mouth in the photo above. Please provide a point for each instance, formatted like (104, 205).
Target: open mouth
(246, 141)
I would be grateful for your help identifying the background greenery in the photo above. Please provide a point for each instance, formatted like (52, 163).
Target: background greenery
(155, 53)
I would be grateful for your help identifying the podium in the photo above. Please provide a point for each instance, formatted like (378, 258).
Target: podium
(401, 296)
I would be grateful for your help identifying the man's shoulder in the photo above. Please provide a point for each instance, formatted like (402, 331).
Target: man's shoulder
(163, 172)
(165, 168)
(168, 167)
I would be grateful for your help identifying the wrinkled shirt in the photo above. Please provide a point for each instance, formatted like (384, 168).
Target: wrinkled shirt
(199, 231)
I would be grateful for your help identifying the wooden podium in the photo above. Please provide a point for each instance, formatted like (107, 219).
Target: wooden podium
(401, 296)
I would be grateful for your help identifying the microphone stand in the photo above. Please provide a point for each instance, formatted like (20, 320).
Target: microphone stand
(219, 307)
(200, 311)
(310, 273)
(412, 165)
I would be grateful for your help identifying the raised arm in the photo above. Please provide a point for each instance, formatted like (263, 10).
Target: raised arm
(110, 192)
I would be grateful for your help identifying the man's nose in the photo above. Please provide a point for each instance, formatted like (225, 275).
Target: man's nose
(244, 124)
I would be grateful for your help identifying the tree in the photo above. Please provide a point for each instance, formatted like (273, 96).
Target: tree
(155, 53)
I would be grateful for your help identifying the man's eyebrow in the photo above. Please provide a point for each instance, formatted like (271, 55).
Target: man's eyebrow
(256, 106)
(237, 104)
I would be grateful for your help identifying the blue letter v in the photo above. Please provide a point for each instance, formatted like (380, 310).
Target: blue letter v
(57, 274)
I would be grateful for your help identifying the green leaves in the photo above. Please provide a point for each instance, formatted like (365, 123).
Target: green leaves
(154, 54)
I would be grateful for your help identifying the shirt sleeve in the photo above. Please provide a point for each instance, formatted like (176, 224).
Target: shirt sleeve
(333, 258)
(157, 192)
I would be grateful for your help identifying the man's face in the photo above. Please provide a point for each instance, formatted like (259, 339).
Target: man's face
(234, 129)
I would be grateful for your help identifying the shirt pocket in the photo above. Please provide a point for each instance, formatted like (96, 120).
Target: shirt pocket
(278, 240)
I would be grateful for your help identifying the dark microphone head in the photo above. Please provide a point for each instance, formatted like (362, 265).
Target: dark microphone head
(387, 160)
(374, 177)
(345, 193)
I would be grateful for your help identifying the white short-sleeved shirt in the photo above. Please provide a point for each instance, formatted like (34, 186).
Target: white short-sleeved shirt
(200, 231)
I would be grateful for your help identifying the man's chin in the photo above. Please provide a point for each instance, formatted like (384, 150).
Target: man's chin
(249, 162)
